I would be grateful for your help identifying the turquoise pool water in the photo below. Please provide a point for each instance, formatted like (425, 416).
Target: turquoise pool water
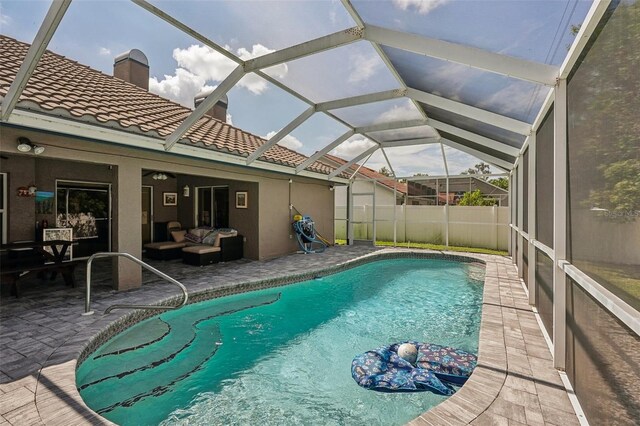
(283, 355)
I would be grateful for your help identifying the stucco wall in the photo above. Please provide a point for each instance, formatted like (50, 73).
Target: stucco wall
(23, 170)
(267, 236)
(310, 198)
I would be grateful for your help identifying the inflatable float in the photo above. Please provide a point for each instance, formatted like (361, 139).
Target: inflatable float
(436, 368)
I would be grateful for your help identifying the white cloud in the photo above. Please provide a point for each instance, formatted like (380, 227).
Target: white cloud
(181, 87)
(352, 148)
(204, 62)
(407, 111)
(104, 51)
(421, 6)
(361, 68)
(514, 98)
(229, 119)
(198, 65)
(288, 141)
(5, 19)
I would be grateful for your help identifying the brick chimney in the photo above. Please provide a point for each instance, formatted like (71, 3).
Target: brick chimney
(219, 110)
(132, 66)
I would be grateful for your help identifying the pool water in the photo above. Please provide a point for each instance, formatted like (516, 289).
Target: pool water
(283, 355)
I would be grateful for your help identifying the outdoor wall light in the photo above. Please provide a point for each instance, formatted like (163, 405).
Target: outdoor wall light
(25, 145)
(185, 191)
(331, 188)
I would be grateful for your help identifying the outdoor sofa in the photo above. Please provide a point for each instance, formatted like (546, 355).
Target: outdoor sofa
(198, 246)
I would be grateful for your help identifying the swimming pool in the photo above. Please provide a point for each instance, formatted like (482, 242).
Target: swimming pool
(283, 355)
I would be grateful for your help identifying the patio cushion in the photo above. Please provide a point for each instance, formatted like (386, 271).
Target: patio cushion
(174, 226)
(224, 235)
(166, 245)
(201, 249)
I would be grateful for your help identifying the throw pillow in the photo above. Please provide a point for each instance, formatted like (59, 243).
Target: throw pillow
(210, 238)
(178, 236)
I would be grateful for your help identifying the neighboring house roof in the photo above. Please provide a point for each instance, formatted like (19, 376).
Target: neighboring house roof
(63, 87)
(370, 174)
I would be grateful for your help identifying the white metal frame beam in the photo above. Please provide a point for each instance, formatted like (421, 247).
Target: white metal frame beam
(361, 100)
(325, 150)
(281, 134)
(477, 58)
(409, 142)
(226, 85)
(301, 50)
(394, 125)
(497, 162)
(348, 164)
(559, 223)
(591, 21)
(472, 137)
(469, 111)
(207, 42)
(531, 215)
(48, 27)
(392, 69)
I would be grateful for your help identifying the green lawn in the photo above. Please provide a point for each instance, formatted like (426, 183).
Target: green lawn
(438, 247)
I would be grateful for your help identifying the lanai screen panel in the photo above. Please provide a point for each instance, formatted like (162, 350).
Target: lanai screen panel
(544, 181)
(476, 146)
(533, 30)
(272, 25)
(544, 290)
(379, 112)
(478, 127)
(350, 70)
(604, 156)
(602, 360)
(486, 90)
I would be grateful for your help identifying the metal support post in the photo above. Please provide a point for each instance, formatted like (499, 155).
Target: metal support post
(559, 223)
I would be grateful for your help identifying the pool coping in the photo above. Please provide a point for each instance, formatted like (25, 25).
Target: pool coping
(59, 402)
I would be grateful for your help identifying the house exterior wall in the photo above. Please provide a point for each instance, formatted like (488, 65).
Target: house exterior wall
(268, 233)
(309, 197)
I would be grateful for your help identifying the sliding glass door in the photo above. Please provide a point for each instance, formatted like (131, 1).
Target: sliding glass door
(85, 207)
(212, 206)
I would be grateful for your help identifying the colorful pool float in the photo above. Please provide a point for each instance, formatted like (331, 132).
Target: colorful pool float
(436, 369)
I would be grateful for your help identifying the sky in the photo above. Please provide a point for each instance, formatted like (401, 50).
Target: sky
(93, 32)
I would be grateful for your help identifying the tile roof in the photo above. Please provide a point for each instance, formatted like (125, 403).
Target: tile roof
(370, 173)
(63, 87)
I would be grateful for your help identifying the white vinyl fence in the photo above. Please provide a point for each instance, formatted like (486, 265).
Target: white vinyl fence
(469, 226)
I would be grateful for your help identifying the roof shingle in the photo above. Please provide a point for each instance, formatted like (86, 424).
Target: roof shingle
(59, 85)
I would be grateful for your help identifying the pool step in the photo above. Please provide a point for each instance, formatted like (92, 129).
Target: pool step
(155, 366)
(136, 338)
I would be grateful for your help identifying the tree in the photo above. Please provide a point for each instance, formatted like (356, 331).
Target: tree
(481, 168)
(502, 182)
(604, 141)
(475, 198)
(421, 174)
(384, 171)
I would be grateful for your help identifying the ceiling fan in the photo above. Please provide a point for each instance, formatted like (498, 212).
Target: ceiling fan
(159, 175)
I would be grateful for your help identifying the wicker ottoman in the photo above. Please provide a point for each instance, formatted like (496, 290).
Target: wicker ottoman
(200, 255)
(166, 250)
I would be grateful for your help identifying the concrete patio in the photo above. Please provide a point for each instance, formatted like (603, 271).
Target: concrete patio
(43, 332)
